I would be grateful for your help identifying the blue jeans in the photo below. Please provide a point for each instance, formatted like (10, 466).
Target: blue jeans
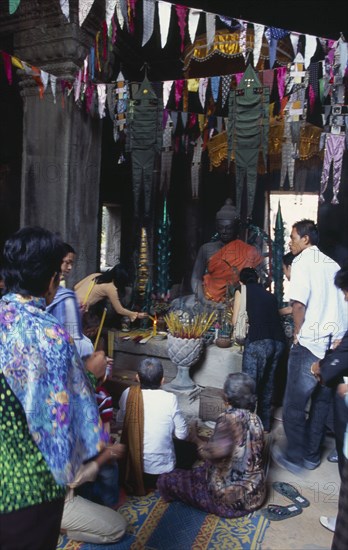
(104, 490)
(304, 435)
(260, 360)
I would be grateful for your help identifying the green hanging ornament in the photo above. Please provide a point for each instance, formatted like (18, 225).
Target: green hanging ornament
(162, 296)
(278, 253)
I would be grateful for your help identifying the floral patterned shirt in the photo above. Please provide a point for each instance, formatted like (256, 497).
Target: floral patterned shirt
(43, 381)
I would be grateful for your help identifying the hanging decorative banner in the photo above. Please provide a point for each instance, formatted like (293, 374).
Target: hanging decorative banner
(101, 91)
(242, 38)
(193, 20)
(258, 34)
(53, 82)
(215, 84)
(148, 20)
(164, 15)
(84, 9)
(181, 12)
(225, 86)
(167, 88)
(210, 21)
(13, 5)
(202, 90)
(109, 11)
(294, 37)
(310, 49)
(64, 6)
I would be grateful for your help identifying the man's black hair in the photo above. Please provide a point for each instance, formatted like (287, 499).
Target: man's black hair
(30, 259)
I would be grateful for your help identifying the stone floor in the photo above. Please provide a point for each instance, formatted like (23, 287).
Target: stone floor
(320, 487)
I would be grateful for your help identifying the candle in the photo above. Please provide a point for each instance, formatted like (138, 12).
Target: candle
(154, 329)
(100, 329)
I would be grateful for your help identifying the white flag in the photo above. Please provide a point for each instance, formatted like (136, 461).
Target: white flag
(164, 14)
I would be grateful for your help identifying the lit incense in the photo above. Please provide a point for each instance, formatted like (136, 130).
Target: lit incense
(100, 329)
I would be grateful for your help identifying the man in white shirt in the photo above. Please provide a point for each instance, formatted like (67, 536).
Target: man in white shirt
(320, 317)
(162, 420)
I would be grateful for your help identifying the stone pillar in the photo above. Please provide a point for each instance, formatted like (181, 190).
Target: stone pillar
(61, 142)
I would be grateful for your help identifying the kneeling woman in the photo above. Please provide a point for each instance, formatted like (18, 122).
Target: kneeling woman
(231, 482)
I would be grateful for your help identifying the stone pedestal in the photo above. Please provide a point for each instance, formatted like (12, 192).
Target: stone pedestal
(211, 370)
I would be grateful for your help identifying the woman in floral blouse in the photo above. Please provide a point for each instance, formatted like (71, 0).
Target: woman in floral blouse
(49, 420)
(231, 482)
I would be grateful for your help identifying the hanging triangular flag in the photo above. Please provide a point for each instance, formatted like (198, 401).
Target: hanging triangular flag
(131, 15)
(174, 116)
(258, 34)
(273, 34)
(84, 9)
(167, 88)
(229, 22)
(124, 11)
(310, 48)
(294, 37)
(17, 62)
(44, 78)
(64, 6)
(181, 12)
(215, 84)
(343, 55)
(13, 5)
(242, 38)
(148, 20)
(101, 91)
(210, 21)
(53, 82)
(77, 85)
(193, 84)
(179, 86)
(193, 21)
(109, 11)
(37, 77)
(225, 87)
(8, 66)
(119, 14)
(164, 15)
(184, 118)
(202, 90)
(281, 75)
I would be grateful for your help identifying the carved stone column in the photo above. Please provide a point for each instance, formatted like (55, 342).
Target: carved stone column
(61, 142)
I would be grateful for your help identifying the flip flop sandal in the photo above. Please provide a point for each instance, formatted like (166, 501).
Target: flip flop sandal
(276, 512)
(290, 492)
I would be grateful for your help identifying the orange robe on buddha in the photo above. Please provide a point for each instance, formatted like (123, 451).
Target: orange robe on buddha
(224, 268)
